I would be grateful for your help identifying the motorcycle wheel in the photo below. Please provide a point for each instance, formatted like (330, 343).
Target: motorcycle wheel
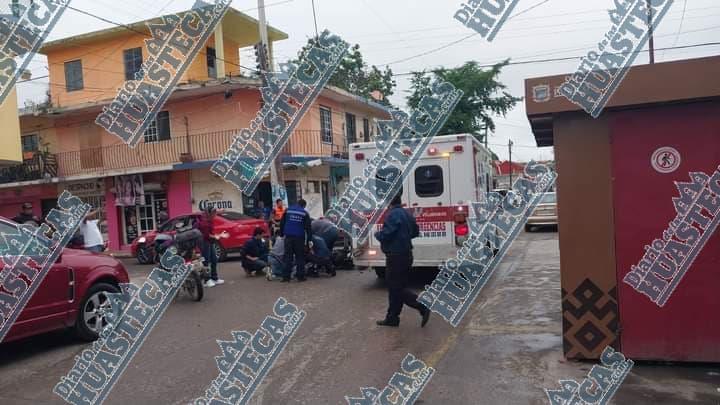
(193, 286)
(145, 255)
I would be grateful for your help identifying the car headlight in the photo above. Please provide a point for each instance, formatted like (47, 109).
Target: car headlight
(141, 240)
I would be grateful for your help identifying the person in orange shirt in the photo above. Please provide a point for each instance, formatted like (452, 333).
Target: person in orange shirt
(276, 216)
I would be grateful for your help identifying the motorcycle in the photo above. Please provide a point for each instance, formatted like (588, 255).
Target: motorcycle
(184, 244)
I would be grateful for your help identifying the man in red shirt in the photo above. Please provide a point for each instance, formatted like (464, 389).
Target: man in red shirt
(205, 226)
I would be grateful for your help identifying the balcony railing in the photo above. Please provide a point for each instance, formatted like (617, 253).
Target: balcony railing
(101, 160)
(42, 165)
(312, 143)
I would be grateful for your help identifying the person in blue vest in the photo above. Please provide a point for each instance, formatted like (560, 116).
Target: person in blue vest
(395, 239)
(295, 228)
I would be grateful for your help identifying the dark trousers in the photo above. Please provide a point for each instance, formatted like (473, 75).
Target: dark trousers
(397, 276)
(294, 253)
(208, 252)
(256, 265)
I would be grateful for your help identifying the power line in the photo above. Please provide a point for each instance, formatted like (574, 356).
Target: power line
(528, 62)
(459, 40)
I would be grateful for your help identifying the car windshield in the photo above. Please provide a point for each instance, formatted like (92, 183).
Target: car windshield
(233, 216)
(6, 228)
(549, 198)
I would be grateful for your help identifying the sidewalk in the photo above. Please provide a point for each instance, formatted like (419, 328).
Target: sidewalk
(512, 342)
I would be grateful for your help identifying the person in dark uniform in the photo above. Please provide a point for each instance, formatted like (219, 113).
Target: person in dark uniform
(26, 216)
(295, 228)
(395, 239)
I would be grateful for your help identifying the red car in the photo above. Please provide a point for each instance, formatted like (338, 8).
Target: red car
(71, 294)
(240, 228)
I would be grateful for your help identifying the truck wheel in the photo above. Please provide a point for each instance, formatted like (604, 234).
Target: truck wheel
(380, 271)
(145, 255)
(92, 317)
(220, 252)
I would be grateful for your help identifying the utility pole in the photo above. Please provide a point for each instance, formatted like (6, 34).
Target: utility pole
(510, 144)
(265, 59)
(650, 31)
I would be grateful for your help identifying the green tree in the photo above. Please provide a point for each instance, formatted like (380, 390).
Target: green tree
(353, 75)
(484, 96)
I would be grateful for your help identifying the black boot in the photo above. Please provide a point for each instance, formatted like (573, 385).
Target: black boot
(425, 313)
(388, 322)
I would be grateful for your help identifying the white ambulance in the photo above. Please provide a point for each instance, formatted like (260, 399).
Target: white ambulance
(454, 171)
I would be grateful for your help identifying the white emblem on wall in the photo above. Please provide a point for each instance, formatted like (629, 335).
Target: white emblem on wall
(541, 93)
(665, 160)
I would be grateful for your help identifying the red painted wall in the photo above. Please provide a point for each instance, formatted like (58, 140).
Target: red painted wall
(686, 327)
(111, 214)
(179, 193)
(12, 199)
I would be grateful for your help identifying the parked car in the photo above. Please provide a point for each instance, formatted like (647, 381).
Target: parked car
(73, 294)
(240, 228)
(545, 213)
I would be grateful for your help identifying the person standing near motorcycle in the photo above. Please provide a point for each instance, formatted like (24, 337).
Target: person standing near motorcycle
(295, 227)
(205, 226)
(395, 239)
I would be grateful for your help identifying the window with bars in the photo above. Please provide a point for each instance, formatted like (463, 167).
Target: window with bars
(73, 75)
(326, 124)
(211, 63)
(30, 143)
(350, 128)
(132, 58)
(159, 128)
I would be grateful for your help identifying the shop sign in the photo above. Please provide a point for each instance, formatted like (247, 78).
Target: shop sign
(86, 188)
(215, 200)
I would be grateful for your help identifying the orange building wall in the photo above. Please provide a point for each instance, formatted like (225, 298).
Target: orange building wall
(104, 72)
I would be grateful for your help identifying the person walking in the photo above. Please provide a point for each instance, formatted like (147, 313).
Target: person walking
(92, 237)
(295, 228)
(255, 254)
(395, 237)
(206, 227)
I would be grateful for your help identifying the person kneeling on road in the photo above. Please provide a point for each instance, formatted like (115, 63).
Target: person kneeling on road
(276, 260)
(395, 239)
(255, 254)
(295, 227)
(320, 256)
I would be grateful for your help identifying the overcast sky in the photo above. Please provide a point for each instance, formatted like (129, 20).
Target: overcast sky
(392, 30)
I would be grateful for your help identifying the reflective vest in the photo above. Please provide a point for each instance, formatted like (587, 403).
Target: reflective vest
(278, 213)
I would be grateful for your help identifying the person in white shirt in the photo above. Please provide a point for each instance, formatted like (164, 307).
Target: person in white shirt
(91, 233)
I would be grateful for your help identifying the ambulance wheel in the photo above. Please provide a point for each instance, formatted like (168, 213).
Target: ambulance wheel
(528, 228)
(380, 271)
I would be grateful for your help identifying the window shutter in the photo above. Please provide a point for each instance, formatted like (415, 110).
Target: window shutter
(163, 125)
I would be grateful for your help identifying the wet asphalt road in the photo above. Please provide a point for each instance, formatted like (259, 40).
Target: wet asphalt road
(506, 350)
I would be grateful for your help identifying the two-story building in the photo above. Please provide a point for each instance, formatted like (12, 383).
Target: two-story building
(211, 103)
